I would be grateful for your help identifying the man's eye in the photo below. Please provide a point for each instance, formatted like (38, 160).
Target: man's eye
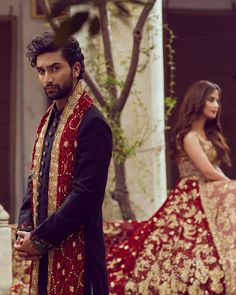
(54, 69)
(41, 72)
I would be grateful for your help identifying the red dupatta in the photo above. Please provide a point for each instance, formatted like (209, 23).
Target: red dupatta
(66, 262)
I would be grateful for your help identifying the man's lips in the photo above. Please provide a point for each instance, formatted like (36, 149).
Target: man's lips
(50, 88)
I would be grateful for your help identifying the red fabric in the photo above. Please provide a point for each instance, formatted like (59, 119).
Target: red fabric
(69, 255)
(117, 232)
(177, 238)
(164, 241)
(72, 249)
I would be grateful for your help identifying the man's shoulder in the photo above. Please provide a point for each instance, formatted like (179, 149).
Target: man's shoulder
(92, 117)
(94, 124)
(93, 113)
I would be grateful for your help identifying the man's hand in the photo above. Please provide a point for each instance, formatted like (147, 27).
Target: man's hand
(25, 247)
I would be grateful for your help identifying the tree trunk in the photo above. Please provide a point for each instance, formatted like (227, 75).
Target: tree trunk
(121, 194)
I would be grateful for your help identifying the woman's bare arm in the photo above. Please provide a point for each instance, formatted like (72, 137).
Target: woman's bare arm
(199, 158)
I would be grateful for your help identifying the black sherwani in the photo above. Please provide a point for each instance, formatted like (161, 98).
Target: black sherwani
(83, 207)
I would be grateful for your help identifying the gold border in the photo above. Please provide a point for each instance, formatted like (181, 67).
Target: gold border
(34, 278)
(53, 174)
(35, 175)
(53, 170)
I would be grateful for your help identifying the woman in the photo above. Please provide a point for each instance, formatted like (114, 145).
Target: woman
(189, 245)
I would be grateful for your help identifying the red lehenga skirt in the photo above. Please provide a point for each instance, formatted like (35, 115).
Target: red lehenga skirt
(187, 247)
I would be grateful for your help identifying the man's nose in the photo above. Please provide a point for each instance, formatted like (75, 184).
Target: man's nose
(47, 79)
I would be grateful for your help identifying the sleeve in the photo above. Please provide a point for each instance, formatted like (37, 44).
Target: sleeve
(25, 221)
(85, 201)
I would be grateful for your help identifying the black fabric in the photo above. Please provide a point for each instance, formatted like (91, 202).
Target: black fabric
(26, 215)
(42, 197)
(43, 275)
(84, 205)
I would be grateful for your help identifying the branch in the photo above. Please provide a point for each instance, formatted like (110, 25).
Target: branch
(47, 11)
(94, 88)
(137, 37)
(107, 45)
(87, 78)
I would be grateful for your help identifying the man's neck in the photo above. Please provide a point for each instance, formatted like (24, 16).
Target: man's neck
(60, 103)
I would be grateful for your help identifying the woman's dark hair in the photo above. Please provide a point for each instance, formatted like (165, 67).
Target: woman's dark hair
(71, 50)
(190, 110)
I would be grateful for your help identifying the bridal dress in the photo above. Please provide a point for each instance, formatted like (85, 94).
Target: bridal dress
(187, 247)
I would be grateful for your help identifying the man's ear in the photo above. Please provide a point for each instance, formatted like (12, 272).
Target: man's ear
(76, 69)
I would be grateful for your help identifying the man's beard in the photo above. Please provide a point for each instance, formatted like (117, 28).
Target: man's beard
(59, 91)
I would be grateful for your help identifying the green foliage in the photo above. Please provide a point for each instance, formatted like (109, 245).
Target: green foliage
(170, 103)
(125, 145)
(124, 148)
(170, 99)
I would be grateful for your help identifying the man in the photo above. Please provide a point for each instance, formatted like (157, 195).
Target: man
(60, 222)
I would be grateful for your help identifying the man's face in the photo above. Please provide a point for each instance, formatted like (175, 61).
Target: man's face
(55, 74)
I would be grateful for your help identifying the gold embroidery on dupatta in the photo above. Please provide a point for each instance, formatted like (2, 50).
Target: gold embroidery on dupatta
(53, 171)
(34, 277)
(36, 164)
(35, 176)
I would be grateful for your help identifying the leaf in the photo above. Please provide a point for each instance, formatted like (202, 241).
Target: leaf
(94, 26)
(59, 7)
(69, 27)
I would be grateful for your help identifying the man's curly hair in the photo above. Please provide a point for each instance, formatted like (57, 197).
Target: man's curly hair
(71, 51)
